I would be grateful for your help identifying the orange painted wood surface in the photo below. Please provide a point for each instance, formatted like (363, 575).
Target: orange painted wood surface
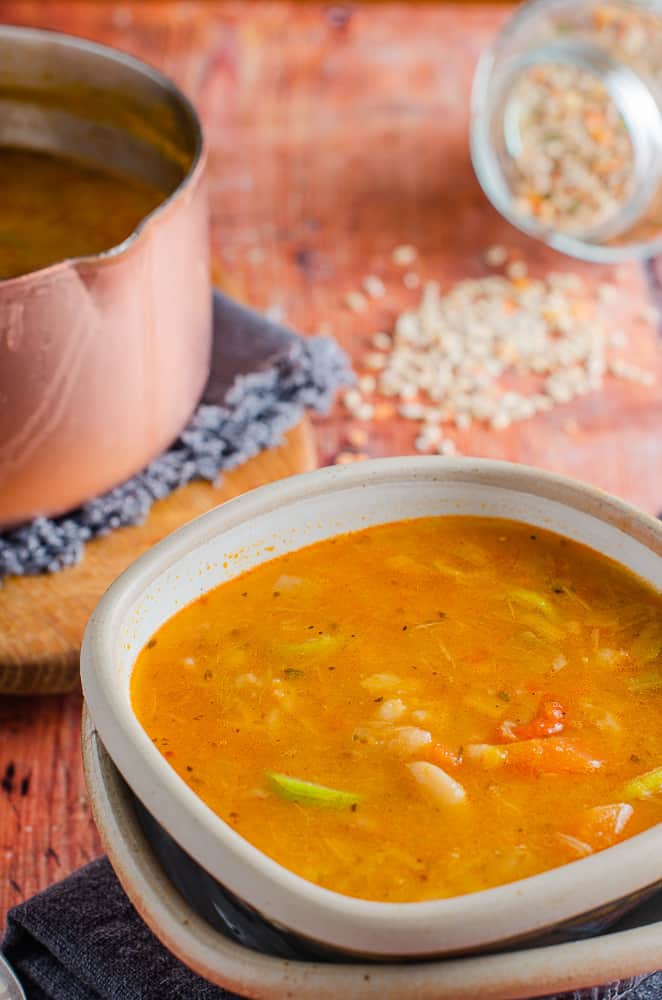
(336, 132)
(45, 826)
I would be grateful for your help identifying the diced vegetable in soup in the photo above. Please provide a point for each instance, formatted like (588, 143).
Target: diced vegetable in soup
(420, 709)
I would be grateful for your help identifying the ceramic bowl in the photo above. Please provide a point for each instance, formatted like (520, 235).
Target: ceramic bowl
(621, 958)
(576, 899)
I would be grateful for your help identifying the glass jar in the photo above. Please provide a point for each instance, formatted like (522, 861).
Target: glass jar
(566, 130)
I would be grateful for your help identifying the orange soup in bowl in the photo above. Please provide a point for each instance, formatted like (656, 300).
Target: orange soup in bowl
(420, 709)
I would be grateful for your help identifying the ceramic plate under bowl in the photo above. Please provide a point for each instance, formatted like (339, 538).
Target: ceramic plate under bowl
(622, 957)
(10, 988)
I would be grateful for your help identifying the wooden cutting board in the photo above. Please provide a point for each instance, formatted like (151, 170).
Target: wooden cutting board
(42, 618)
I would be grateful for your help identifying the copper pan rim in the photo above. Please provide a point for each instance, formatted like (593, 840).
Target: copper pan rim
(144, 69)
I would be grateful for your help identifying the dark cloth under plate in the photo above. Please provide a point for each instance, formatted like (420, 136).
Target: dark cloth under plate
(263, 377)
(81, 939)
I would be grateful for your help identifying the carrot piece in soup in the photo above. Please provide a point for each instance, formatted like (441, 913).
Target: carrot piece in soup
(548, 721)
(545, 755)
(551, 755)
(602, 826)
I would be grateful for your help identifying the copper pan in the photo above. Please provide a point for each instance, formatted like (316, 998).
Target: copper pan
(102, 358)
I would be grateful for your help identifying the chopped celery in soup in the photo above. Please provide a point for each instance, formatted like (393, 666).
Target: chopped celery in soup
(419, 709)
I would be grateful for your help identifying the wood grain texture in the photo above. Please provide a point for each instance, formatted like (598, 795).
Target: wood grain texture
(46, 830)
(42, 618)
(336, 132)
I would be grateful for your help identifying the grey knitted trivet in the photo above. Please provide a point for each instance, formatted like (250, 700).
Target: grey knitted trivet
(263, 378)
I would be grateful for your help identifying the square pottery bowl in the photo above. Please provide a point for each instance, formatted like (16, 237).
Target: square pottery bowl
(244, 887)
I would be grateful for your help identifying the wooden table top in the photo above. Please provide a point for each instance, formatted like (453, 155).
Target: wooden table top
(335, 134)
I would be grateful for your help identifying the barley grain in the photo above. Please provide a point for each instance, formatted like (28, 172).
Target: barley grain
(404, 255)
(517, 270)
(449, 358)
(352, 398)
(374, 286)
(357, 437)
(367, 384)
(381, 341)
(355, 301)
(496, 256)
(365, 411)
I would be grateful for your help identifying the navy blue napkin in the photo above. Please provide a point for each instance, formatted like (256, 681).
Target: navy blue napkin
(81, 939)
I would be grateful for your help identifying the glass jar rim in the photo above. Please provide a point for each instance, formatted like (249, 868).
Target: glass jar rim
(628, 91)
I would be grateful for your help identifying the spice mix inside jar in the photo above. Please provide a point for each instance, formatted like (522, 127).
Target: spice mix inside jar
(566, 134)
